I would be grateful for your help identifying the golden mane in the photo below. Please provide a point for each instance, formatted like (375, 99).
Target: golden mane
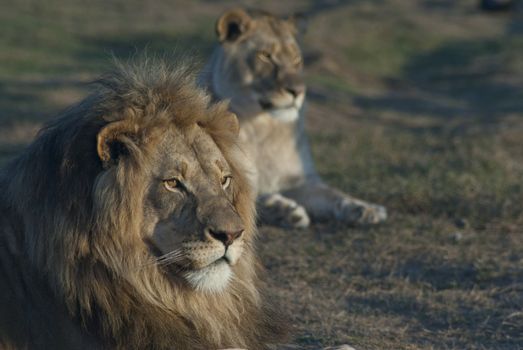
(70, 232)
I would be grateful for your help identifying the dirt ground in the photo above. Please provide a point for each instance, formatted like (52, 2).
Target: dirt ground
(416, 105)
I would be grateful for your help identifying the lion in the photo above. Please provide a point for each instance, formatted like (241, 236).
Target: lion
(129, 223)
(258, 66)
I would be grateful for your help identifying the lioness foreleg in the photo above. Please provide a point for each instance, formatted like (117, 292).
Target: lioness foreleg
(324, 203)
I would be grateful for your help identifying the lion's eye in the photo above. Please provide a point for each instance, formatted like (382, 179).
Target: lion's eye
(264, 56)
(172, 185)
(297, 61)
(226, 181)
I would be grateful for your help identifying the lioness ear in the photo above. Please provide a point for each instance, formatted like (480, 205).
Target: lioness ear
(232, 24)
(231, 123)
(299, 22)
(113, 141)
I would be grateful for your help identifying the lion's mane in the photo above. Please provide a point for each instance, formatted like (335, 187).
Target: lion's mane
(74, 270)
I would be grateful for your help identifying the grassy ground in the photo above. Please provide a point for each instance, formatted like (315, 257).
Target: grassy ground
(417, 105)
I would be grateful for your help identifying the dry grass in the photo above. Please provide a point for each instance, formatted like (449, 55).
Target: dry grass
(418, 105)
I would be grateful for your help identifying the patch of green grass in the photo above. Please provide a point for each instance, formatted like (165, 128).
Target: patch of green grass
(463, 176)
(332, 82)
(475, 58)
(383, 50)
(31, 45)
(72, 38)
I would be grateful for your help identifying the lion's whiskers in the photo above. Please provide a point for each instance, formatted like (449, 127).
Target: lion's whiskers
(166, 259)
(171, 253)
(171, 257)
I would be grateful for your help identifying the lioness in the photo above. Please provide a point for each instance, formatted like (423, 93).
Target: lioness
(258, 67)
(129, 224)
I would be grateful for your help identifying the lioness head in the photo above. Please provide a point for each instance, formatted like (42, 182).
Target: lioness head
(259, 64)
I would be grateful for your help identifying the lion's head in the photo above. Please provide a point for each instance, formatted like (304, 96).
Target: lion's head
(137, 208)
(258, 64)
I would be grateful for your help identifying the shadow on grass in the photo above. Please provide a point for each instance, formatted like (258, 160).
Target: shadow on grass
(443, 275)
(320, 6)
(472, 304)
(25, 100)
(477, 80)
(448, 5)
(458, 320)
(17, 104)
(36, 100)
(98, 51)
(25, 106)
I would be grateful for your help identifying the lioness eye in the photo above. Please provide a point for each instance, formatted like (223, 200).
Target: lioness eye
(264, 56)
(297, 60)
(226, 181)
(171, 185)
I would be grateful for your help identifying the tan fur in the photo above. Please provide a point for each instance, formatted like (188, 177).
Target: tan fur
(79, 231)
(258, 67)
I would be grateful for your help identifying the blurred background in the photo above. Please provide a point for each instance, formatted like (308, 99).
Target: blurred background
(413, 104)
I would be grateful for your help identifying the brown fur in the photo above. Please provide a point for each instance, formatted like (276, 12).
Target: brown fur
(74, 269)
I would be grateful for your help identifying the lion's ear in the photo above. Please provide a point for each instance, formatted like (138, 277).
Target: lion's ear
(299, 22)
(233, 24)
(113, 141)
(231, 123)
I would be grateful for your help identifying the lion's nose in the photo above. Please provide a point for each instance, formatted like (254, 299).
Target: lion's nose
(226, 237)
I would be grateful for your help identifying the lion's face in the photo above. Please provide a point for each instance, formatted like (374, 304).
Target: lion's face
(193, 225)
(260, 65)
(193, 214)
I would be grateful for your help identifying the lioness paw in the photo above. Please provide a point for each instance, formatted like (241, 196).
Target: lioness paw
(281, 211)
(354, 211)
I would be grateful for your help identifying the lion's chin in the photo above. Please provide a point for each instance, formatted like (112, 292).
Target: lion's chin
(210, 279)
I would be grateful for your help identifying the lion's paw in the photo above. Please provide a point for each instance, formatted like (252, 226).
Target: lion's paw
(284, 212)
(354, 211)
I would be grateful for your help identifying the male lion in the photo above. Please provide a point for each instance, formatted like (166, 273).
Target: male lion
(258, 66)
(129, 224)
